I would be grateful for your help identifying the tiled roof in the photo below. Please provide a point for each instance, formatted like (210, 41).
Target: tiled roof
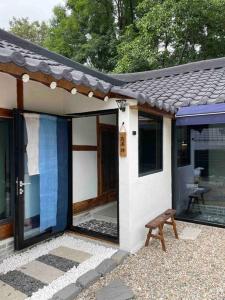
(167, 89)
(190, 84)
(34, 58)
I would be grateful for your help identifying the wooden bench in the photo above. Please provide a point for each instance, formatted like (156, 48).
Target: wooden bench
(159, 223)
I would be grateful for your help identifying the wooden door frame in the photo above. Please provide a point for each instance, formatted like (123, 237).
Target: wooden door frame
(102, 126)
(6, 225)
(18, 216)
(97, 114)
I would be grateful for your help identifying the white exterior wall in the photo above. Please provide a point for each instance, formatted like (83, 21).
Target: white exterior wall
(7, 91)
(84, 131)
(141, 198)
(108, 119)
(85, 173)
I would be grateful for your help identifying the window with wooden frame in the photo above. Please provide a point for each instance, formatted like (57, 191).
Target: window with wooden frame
(150, 143)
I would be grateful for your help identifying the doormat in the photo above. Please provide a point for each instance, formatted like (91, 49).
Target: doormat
(40, 272)
(189, 233)
(100, 226)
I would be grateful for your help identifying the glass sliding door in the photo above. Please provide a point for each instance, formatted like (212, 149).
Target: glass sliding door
(42, 145)
(199, 192)
(5, 169)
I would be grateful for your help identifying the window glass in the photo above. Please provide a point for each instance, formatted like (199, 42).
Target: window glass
(199, 187)
(150, 143)
(183, 146)
(5, 207)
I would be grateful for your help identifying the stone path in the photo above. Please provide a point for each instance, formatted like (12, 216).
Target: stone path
(189, 233)
(56, 269)
(23, 282)
(86, 280)
(115, 290)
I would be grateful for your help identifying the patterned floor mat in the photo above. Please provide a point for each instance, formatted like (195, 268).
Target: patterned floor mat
(99, 226)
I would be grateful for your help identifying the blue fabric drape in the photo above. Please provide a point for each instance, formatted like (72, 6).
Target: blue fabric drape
(48, 164)
(201, 114)
(62, 150)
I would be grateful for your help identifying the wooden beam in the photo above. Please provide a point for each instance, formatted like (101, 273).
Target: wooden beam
(152, 110)
(107, 126)
(6, 231)
(84, 148)
(19, 89)
(118, 96)
(98, 156)
(46, 79)
(6, 113)
(85, 205)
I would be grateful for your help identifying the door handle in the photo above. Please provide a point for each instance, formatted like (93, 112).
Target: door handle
(23, 184)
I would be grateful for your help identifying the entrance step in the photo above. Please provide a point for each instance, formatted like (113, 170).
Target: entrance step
(41, 271)
(116, 290)
(190, 233)
(72, 254)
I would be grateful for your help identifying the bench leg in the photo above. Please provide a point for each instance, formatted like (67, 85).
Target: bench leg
(174, 227)
(148, 237)
(162, 237)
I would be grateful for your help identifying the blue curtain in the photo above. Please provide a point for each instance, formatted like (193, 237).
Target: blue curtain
(48, 166)
(63, 165)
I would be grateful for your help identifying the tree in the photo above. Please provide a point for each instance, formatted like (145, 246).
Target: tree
(88, 30)
(170, 32)
(35, 32)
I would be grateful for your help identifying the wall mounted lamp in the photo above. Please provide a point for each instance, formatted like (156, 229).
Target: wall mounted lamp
(121, 105)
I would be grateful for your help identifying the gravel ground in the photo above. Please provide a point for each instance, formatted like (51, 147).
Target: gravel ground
(189, 270)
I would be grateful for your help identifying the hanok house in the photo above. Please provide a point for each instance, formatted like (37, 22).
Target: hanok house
(103, 154)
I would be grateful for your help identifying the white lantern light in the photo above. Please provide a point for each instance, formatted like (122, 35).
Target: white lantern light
(90, 94)
(53, 85)
(73, 91)
(25, 78)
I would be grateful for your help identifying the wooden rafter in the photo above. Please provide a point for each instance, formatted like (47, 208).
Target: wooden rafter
(19, 88)
(17, 72)
(6, 113)
(84, 148)
(152, 110)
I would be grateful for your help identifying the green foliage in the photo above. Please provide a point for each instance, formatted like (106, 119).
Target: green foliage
(87, 30)
(82, 30)
(170, 32)
(35, 32)
(131, 35)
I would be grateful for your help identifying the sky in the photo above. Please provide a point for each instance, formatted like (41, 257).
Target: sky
(40, 10)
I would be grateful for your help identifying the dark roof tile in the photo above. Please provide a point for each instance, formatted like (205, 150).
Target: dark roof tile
(194, 84)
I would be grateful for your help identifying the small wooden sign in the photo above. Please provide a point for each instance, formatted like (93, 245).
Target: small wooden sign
(123, 144)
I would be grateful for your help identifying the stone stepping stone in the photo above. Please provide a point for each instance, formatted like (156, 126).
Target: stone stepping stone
(67, 293)
(58, 262)
(9, 293)
(41, 271)
(116, 290)
(72, 254)
(189, 233)
(22, 282)
(106, 266)
(87, 279)
(120, 256)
